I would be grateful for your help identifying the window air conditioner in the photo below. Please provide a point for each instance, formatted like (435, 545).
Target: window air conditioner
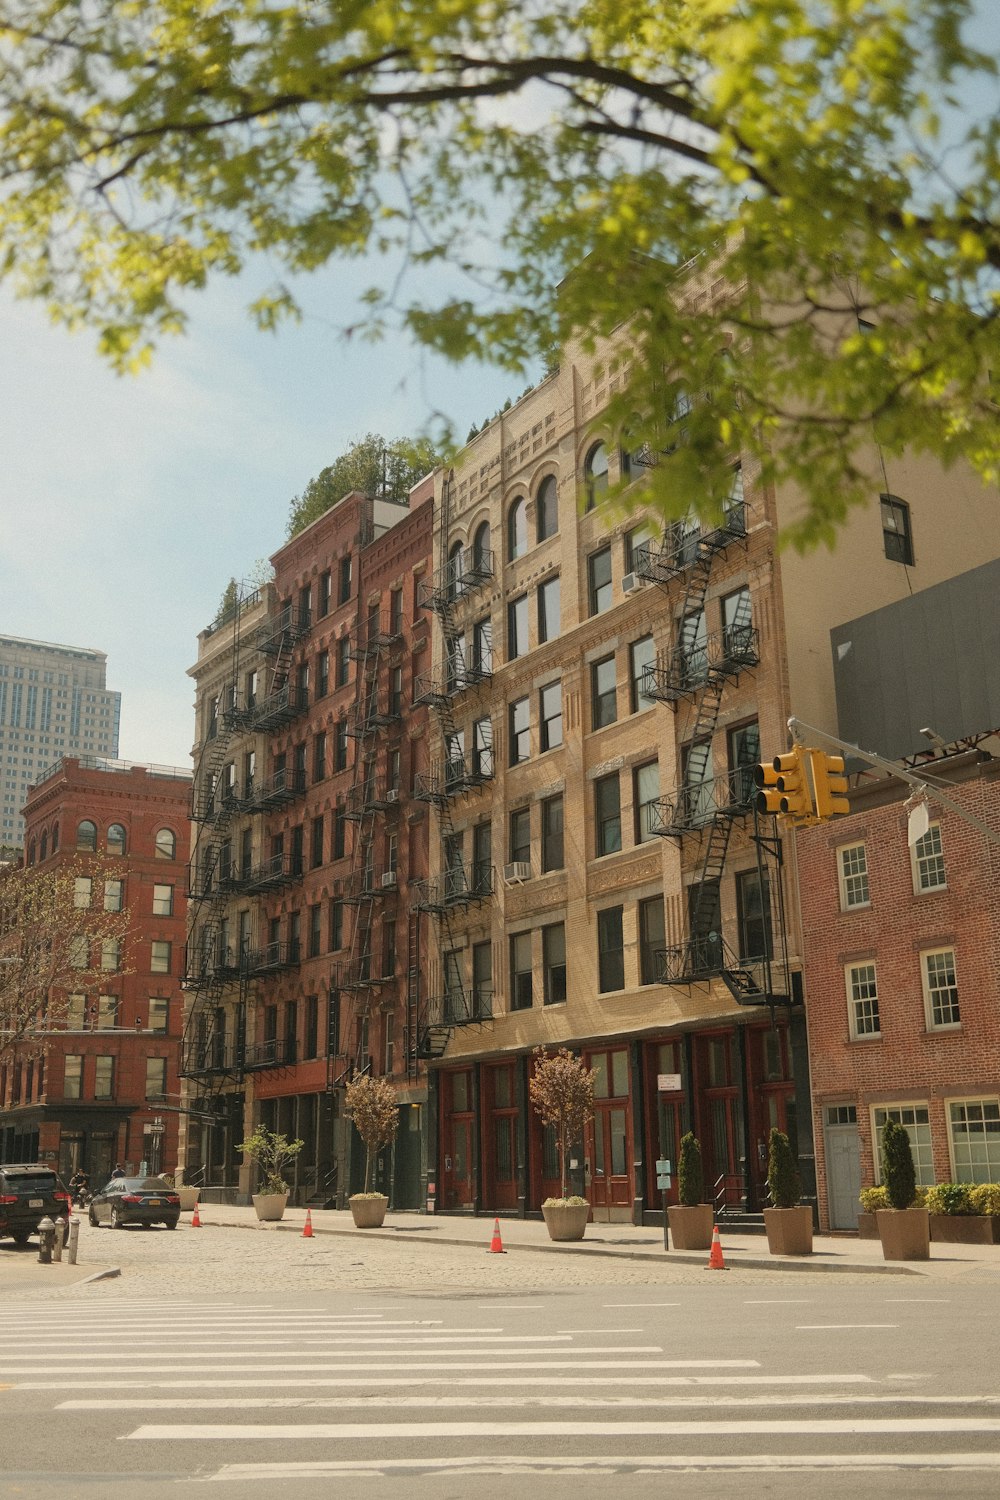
(631, 582)
(388, 879)
(392, 795)
(516, 872)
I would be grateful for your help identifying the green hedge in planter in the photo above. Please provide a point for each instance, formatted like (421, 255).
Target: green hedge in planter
(985, 1198)
(950, 1198)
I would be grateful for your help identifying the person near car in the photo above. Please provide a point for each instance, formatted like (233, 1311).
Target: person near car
(119, 1170)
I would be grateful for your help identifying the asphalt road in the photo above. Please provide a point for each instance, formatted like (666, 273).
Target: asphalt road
(245, 1372)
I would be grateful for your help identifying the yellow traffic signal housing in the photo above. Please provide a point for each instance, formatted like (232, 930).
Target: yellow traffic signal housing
(768, 800)
(830, 784)
(785, 787)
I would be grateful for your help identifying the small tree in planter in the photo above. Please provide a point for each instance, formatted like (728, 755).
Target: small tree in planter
(691, 1219)
(788, 1222)
(562, 1094)
(271, 1154)
(374, 1108)
(903, 1229)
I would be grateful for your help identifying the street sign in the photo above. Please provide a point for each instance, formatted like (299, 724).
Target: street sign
(668, 1083)
(663, 1167)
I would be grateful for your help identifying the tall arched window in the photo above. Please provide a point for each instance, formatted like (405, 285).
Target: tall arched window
(481, 559)
(31, 851)
(55, 837)
(455, 570)
(166, 844)
(547, 507)
(116, 839)
(86, 835)
(595, 474)
(43, 848)
(517, 530)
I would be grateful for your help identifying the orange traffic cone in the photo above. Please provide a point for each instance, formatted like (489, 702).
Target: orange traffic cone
(195, 1221)
(715, 1259)
(307, 1233)
(496, 1243)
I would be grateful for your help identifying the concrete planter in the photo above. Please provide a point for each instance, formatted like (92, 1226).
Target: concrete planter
(867, 1228)
(566, 1221)
(368, 1210)
(965, 1229)
(270, 1206)
(905, 1233)
(789, 1230)
(188, 1197)
(691, 1227)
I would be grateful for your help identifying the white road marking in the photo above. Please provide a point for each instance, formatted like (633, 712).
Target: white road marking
(893, 1301)
(598, 1403)
(779, 1302)
(641, 1304)
(369, 1365)
(368, 1432)
(380, 1346)
(576, 1332)
(693, 1382)
(807, 1327)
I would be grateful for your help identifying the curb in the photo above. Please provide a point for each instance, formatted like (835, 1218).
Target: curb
(108, 1274)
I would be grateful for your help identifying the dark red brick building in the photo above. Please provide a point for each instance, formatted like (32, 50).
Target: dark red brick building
(105, 1088)
(902, 966)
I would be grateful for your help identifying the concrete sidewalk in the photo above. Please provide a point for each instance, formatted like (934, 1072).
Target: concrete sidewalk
(830, 1253)
(20, 1271)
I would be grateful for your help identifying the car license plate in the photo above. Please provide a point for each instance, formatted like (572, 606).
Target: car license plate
(154, 1202)
(36, 1202)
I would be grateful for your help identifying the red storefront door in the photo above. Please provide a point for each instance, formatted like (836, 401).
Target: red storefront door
(609, 1138)
(458, 1143)
(500, 1191)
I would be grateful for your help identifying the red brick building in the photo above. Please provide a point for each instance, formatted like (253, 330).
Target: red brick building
(902, 966)
(106, 1083)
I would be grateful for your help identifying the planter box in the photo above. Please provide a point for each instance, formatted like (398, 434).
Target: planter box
(789, 1230)
(565, 1221)
(965, 1229)
(867, 1228)
(905, 1233)
(188, 1197)
(270, 1206)
(691, 1228)
(368, 1211)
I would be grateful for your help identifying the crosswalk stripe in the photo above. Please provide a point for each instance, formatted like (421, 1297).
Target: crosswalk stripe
(286, 1432)
(604, 1402)
(357, 1365)
(559, 1379)
(397, 1341)
(304, 1359)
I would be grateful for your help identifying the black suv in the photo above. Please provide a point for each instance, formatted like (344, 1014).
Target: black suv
(27, 1194)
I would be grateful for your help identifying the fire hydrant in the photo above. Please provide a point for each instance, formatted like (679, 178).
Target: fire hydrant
(46, 1240)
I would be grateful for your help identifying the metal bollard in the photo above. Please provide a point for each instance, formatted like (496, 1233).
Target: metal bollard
(57, 1239)
(74, 1235)
(46, 1236)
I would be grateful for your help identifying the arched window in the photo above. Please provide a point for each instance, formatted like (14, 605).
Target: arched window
(595, 474)
(481, 559)
(43, 848)
(166, 844)
(455, 570)
(86, 835)
(547, 507)
(31, 851)
(517, 530)
(116, 839)
(55, 837)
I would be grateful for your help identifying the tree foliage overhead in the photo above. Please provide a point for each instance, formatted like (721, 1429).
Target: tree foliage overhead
(388, 470)
(793, 148)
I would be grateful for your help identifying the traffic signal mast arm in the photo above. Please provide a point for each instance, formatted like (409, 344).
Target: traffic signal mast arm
(799, 731)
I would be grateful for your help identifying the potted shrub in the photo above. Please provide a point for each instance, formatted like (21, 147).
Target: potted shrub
(271, 1154)
(788, 1222)
(374, 1108)
(692, 1219)
(964, 1213)
(871, 1200)
(903, 1229)
(562, 1094)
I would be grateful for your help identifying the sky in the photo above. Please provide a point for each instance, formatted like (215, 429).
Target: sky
(127, 503)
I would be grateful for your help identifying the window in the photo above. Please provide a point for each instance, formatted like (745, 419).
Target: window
(302, 685)
(482, 979)
(72, 1076)
(166, 844)
(482, 859)
(454, 571)
(652, 940)
(316, 852)
(298, 849)
(603, 692)
(78, 951)
(928, 862)
(517, 530)
(343, 649)
(325, 598)
(744, 756)
(86, 835)
(482, 647)
(552, 834)
(163, 900)
(395, 611)
(595, 475)
(753, 916)
(396, 692)
(104, 1077)
(975, 1139)
(159, 1011)
(340, 745)
(116, 839)
(517, 627)
(520, 835)
(862, 998)
(336, 925)
(344, 580)
(310, 1035)
(550, 732)
(639, 543)
(735, 508)
(82, 887)
(548, 609)
(599, 575)
(339, 833)
(940, 989)
(482, 748)
(737, 625)
(319, 756)
(76, 1012)
(388, 1043)
(547, 508)
(482, 560)
(520, 971)
(641, 655)
(156, 1077)
(315, 931)
(159, 960)
(107, 1012)
(693, 648)
(554, 964)
(915, 1120)
(645, 796)
(520, 731)
(608, 814)
(610, 950)
(896, 537)
(853, 864)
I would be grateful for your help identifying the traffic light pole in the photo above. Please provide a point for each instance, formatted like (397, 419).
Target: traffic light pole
(800, 732)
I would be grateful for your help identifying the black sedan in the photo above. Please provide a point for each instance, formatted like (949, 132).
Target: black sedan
(135, 1200)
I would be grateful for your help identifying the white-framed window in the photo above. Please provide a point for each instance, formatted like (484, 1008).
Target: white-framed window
(940, 988)
(862, 1000)
(927, 857)
(916, 1121)
(852, 863)
(163, 900)
(974, 1127)
(82, 892)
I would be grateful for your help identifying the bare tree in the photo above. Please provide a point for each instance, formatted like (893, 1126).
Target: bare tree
(562, 1092)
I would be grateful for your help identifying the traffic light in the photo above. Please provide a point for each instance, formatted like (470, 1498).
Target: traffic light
(785, 787)
(830, 784)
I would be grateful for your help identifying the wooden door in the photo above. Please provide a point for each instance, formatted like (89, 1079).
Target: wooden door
(609, 1138)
